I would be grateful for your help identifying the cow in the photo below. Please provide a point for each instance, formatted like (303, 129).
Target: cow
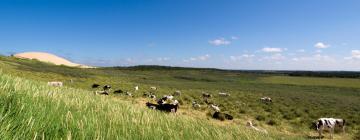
(251, 126)
(128, 94)
(266, 99)
(215, 107)
(104, 92)
(95, 86)
(153, 88)
(163, 107)
(222, 116)
(166, 99)
(195, 105)
(206, 95)
(224, 94)
(329, 124)
(118, 91)
(55, 84)
(106, 87)
(177, 93)
(152, 96)
(136, 88)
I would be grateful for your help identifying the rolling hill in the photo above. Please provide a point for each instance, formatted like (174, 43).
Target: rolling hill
(30, 109)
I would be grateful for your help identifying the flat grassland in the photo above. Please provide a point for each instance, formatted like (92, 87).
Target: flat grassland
(297, 102)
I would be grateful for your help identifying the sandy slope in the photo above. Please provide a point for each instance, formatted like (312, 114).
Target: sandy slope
(50, 58)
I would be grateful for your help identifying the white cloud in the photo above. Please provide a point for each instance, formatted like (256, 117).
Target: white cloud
(276, 57)
(163, 59)
(220, 42)
(272, 50)
(244, 56)
(321, 45)
(203, 58)
(316, 57)
(199, 58)
(355, 54)
(301, 50)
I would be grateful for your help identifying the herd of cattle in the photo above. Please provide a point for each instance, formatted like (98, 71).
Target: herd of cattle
(167, 103)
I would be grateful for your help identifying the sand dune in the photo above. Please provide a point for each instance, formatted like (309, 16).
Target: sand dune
(49, 58)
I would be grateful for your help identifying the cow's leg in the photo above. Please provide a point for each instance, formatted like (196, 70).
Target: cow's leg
(331, 133)
(320, 132)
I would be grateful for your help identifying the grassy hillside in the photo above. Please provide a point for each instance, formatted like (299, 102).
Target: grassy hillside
(32, 110)
(298, 101)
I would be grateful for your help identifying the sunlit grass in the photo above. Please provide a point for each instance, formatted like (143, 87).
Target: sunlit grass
(32, 110)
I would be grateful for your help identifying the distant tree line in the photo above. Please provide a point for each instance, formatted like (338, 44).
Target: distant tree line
(339, 74)
(329, 74)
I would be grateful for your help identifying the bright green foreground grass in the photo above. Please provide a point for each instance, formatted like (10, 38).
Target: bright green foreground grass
(298, 101)
(32, 110)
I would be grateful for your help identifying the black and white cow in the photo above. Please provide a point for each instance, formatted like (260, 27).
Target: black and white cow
(206, 95)
(107, 87)
(163, 107)
(118, 91)
(222, 116)
(196, 105)
(95, 86)
(329, 124)
(266, 99)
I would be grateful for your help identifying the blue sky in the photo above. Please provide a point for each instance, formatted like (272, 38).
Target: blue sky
(230, 34)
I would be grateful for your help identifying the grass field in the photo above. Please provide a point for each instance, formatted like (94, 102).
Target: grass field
(298, 101)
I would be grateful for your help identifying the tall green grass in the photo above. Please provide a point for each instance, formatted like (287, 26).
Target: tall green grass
(32, 110)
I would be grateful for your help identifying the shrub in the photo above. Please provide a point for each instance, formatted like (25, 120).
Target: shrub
(272, 122)
(260, 118)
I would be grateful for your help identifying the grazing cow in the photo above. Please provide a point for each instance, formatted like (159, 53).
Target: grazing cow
(128, 93)
(95, 86)
(177, 93)
(152, 96)
(153, 88)
(266, 99)
(166, 99)
(118, 91)
(163, 107)
(55, 84)
(102, 92)
(329, 124)
(222, 116)
(136, 88)
(195, 105)
(250, 125)
(206, 95)
(215, 107)
(107, 87)
(224, 94)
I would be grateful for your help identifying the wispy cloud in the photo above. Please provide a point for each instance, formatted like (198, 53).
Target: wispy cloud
(199, 58)
(163, 59)
(220, 42)
(321, 45)
(272, 50)
(355, 54)
(300, 50)
(244, 56)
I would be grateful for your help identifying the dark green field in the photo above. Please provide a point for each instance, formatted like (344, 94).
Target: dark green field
(297, 101)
